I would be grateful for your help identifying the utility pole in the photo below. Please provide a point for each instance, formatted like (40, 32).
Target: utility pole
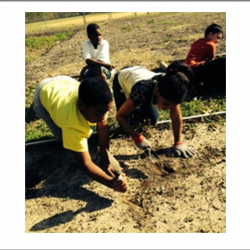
(84, 20)
(45, 21)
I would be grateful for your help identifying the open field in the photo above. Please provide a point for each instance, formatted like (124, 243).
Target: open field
(75, 22)
(177, 196)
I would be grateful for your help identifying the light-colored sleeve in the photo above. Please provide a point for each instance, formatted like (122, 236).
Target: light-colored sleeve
(86, 50)
(103, 54)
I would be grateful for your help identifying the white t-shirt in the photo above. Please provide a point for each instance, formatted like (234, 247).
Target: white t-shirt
(130, 76)
(101, 53)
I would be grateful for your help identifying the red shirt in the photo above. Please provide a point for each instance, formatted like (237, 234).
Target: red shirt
(200, 51)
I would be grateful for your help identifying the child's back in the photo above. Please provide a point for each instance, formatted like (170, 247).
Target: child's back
(201, 50)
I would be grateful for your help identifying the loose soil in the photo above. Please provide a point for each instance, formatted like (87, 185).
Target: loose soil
(174, 195)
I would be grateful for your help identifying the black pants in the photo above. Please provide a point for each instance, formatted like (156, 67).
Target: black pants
(211, 75)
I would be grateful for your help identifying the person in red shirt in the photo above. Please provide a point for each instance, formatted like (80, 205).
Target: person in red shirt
(210, 73)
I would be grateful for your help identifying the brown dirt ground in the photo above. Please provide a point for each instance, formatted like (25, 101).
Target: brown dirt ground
(176, 195)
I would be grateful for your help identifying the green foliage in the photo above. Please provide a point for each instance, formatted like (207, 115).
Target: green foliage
(46, 42)
(199, 106)
(37, 133)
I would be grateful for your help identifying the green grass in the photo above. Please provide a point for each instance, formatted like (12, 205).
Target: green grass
(47, 42)
(39, 45)
(37, 133)
(199, 106)
(150, 21)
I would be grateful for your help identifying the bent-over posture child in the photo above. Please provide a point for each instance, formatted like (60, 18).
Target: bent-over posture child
(71, 110)
(210, 73)
(138, 91)
(96, 54)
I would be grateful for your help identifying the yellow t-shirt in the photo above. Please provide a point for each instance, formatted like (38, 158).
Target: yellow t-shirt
(59, 98)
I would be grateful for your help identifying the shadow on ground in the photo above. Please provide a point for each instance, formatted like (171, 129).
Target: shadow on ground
(52, 171)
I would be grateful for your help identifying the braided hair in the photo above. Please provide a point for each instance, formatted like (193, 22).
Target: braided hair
(175, 83)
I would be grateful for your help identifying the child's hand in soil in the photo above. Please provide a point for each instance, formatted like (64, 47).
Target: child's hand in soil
(120, 183)
(141, 142)
(183, 149)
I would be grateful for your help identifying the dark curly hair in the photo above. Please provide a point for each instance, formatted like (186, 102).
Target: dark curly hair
(94, 91)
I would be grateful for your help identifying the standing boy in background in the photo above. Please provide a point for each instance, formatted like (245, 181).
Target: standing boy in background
(209, 72)
(96, 55)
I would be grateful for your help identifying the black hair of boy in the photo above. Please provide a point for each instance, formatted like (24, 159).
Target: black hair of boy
(94, 91)
(175, 84)
(214, 28)
(91, 28)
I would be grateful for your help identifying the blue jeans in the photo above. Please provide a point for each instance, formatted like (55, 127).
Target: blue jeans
(90, 72)
(148, 113)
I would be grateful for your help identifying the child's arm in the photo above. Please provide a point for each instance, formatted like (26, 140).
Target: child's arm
(180, 147)
(97, 174)
(211, 50)
(103, 142)
(176, 117)
(93, 62)
(102, 57)
(122, 115)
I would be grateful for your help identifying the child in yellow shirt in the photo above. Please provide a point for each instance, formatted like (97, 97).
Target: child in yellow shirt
(71, 110)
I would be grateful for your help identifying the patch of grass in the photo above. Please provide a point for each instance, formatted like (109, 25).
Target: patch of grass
(39, 44)
(150, 21)
(35, 133)
(126, 28)
(29, 59)
(167, 39)
(199, 106)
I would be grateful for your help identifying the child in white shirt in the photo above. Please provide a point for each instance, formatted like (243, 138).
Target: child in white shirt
(96, 55)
